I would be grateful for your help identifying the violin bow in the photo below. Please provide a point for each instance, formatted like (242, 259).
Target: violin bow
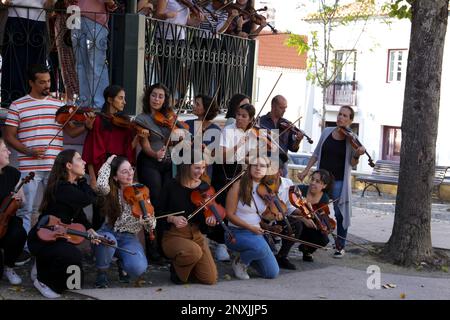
(215, 196)
(169, 214)
(296, 240)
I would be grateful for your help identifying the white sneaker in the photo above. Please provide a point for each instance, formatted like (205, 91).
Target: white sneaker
(222, 252)
(33, 274)
(240, 269)
(12, 276)
(45, 291)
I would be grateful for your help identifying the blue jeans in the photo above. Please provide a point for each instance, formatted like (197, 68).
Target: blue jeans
(254, 251)
(342, 233)
(33, 191)
(134, 265)
(90, 43)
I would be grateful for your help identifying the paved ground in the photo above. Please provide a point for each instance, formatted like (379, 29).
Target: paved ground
(326, 278)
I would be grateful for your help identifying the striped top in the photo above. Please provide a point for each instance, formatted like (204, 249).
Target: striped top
(36, 126)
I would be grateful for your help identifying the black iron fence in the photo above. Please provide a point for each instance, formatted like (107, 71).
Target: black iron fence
(85, 55)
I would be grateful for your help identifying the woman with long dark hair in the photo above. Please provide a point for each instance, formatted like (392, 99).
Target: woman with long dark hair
(66, 195)
(154, 165)
(121, 226)
(106, 139)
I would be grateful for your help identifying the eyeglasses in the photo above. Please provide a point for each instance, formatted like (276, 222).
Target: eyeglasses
(127, 171)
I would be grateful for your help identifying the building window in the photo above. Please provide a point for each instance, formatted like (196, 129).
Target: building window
(345, 63)
(397, 60)
(392, 140)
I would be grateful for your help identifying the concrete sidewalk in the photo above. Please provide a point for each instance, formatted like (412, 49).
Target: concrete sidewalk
(332, 282)
(327, 278)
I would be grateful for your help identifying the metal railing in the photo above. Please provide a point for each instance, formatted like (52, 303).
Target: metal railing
(342, 93)
(191, 60)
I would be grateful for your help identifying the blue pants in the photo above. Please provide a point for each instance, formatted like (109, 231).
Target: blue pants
(134, 265)
(342, 233)
(90, 43)
(254, 251)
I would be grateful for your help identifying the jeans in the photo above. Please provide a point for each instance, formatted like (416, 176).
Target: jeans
(134, 265)
(33, 191)
(341, 232)
(254, 251)
(90, 43)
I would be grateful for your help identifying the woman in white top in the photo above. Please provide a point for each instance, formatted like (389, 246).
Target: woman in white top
(244, 207)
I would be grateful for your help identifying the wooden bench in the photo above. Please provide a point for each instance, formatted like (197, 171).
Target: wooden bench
(386, 172)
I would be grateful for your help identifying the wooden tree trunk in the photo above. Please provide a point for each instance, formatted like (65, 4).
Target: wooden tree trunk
(410, 242)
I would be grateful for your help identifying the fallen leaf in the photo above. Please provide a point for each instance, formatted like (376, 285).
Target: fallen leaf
(402, 296)
(16, 289)
(392, 285)
(322, 297)
(385, 286)
(158, 290)
(227, 277)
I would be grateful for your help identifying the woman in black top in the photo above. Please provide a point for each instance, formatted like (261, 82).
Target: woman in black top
(66, 195)
(13, 241)
(182, 242)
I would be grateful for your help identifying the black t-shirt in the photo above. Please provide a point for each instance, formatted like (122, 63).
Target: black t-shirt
(9, 178)
(333, 157)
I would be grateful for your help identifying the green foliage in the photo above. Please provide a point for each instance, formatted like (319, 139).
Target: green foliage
(298, 42)
(400, 9)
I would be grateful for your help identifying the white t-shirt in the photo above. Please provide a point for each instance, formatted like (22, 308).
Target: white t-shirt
(283, 194)
(32, 14)
(168, 30)
(249, 214)
(230, 137)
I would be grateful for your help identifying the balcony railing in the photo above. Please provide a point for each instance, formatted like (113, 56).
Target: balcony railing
(342, 93)
(195, 61)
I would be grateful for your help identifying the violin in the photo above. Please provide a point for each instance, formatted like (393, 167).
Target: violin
(169, 120)
(289, 126)
(75, 233)
(138, 197)
(118, 119)
(354, 141)
(323, 221)
(275, 206)
(10, 205)
(50, 229)
(265, 138)
(200, 196)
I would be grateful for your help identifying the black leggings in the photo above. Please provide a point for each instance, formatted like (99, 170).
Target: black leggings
(13, 241)
(53, 260)
(153, 174)
(301, 232)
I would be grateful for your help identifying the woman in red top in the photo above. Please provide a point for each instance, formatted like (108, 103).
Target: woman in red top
(106, 139)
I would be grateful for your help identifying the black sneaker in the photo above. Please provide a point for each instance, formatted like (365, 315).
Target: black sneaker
(24, 258)
(308, 257)
(101, 281)
(284, 263)
(174, 277)
(123, 276)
